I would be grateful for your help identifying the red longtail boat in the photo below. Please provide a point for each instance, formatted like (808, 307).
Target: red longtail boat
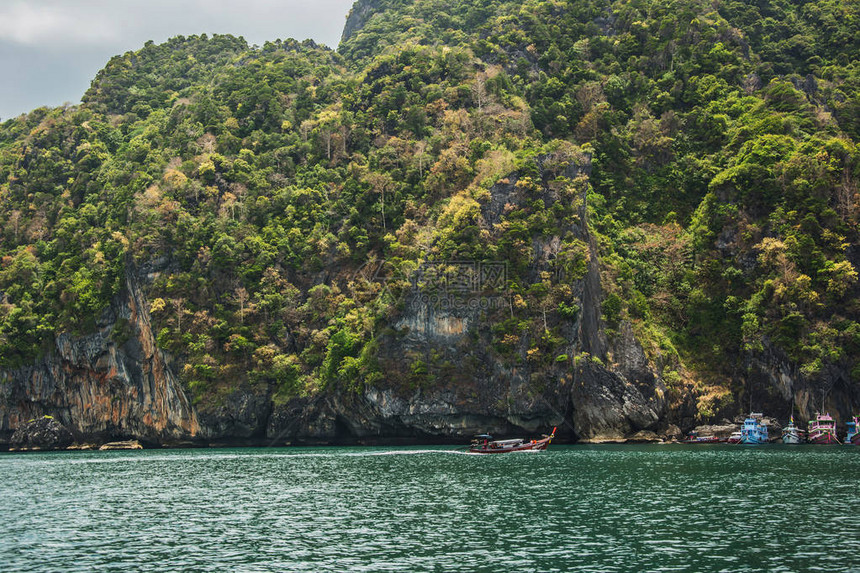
(485, 444)
(694, 438)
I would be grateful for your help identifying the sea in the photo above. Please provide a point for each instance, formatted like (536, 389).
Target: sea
(605, 508)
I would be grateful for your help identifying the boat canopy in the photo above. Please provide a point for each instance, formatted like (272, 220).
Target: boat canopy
(483, 437)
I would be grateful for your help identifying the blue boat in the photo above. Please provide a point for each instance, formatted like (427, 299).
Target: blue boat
(753, 431)
(852, 438)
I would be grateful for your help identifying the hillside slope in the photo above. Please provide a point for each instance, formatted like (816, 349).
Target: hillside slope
(606, 216)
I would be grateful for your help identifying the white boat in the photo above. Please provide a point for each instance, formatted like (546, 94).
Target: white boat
(791, 434)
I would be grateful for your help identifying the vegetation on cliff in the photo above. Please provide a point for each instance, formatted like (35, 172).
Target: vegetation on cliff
(255, 184)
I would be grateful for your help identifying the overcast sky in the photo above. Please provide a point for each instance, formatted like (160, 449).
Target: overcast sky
(50, 50)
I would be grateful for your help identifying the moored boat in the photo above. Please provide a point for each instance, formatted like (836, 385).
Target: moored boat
(694, 438)
(735, 438)
(485, 444)
(791, 434)
(852, 438)
(822, 430)
(754, 431)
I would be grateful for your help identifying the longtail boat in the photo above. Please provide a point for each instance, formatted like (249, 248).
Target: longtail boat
(485, 444)
(694, 438)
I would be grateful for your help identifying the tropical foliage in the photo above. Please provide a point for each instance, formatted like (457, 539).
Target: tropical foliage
(252, 185)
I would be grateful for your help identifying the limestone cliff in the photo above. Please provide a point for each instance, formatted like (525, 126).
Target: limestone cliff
(443, 379)
(778, 388)
(115, 383)
(359, 14)
(237, 192)
(111, 383)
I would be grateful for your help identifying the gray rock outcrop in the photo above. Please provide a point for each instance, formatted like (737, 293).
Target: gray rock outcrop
(43, 433)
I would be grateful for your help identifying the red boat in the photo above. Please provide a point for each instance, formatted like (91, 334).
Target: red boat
(485, 444)
(822, 430)
(694, 438)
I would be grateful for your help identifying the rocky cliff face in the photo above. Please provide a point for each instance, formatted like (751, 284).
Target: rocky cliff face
(775, 386)
(112, 383)
(444, 380)
(359, 14)
(115, 383)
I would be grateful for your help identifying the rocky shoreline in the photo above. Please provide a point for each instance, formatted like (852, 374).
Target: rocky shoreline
(47, 434)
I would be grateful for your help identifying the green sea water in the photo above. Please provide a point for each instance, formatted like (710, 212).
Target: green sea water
(572, 508)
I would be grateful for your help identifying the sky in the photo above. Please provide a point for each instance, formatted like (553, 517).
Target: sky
(50, 50)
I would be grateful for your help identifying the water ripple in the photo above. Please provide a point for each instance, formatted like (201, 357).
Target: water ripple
(618, 508)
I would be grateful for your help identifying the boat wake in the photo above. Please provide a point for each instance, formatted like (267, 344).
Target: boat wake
(409, 453)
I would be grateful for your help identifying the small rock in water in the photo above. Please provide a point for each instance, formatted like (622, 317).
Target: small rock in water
(44, 433)
(178, 444)
(721, 431)
(127, 445)
(82, 447)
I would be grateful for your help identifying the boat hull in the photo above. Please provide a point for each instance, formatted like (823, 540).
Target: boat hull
(791, 439)
(490, 448)
(702, 440)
